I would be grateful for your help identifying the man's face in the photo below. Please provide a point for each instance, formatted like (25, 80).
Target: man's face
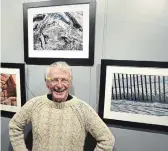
(59, 84)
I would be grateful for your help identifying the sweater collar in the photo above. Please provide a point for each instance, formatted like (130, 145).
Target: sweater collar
(49, 96)
(70, 101)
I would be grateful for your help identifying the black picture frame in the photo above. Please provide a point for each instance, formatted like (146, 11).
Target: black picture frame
(39, 51)
(17, 71)
(143, 108)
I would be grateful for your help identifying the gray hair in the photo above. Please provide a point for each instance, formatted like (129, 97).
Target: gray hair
(61, 65)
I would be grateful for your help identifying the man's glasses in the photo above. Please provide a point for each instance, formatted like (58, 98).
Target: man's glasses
(56, 81)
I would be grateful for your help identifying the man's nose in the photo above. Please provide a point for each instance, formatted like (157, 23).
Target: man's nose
(59, 83)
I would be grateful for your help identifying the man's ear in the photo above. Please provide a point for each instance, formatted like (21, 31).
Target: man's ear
(70, 84)
(47, 84)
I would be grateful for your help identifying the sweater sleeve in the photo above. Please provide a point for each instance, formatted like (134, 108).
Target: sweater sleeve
(98, 129)
(17, 124)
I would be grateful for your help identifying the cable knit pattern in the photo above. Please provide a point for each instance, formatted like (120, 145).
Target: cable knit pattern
(59, 126)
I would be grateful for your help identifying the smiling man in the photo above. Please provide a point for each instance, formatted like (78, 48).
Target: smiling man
(60, 121)
(58, 81)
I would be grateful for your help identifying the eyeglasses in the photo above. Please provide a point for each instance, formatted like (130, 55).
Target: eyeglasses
(55, 81)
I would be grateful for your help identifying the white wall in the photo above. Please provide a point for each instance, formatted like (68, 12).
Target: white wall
(136, 30)
(125, 29)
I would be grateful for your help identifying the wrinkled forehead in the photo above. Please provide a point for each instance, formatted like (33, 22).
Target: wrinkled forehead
(58, 72)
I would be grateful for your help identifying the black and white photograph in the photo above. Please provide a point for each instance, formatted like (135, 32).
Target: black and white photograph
(57, 31)
(134, 93)
(140, 94)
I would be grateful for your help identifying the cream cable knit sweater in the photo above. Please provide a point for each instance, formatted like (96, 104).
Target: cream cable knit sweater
(59, 126)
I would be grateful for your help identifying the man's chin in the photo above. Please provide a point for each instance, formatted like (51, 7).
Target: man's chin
(59, 97)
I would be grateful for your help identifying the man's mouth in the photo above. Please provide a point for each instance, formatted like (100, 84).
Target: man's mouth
(59, 90)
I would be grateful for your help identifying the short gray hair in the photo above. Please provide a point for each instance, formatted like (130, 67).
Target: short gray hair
(61, 65)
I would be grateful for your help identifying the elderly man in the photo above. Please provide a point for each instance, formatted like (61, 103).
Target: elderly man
(59, 120)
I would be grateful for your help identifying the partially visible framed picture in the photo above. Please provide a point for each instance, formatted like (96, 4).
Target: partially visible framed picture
(134, 94)
(59, 31)
(12, 95)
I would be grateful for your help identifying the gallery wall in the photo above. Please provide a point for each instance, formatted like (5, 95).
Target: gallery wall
(125, 29)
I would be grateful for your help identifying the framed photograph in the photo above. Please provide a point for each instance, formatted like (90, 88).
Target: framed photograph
(59, 31)
(12, 91)
(134, 94)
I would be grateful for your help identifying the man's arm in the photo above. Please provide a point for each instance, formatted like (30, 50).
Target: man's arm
(98, 129)
(16, 127)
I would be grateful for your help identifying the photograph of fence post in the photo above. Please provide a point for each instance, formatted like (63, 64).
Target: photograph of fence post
(134, 93)
(139, 103)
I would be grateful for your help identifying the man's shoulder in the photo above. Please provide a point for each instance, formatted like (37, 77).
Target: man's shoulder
(81, 102)
(83, 108)
(37, 99)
